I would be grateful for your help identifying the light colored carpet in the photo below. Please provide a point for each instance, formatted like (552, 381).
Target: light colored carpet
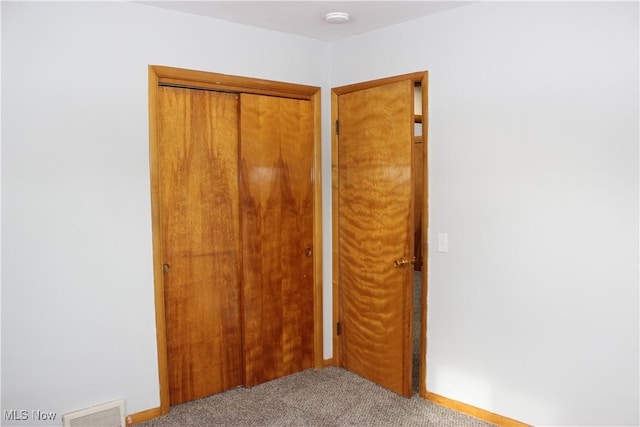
(327, 397)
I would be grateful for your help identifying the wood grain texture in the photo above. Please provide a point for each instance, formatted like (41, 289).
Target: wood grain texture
(224, 82)
(143, 416)
(197, 156)
(158, 276)
(376, 228)
(317, 234)
(277, 206)
(413, 77)
(162, 76)
(474, 411)
(335, 231)
(424, 85)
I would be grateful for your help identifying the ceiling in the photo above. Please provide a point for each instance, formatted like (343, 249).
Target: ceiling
(306, 17)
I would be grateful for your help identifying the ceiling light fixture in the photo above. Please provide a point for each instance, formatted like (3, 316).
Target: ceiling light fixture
(337, 17)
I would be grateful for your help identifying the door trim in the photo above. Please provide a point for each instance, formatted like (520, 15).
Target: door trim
(227, 83)
(418, 78)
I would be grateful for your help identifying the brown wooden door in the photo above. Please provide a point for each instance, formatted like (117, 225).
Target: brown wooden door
(276, 158)
(375, 229)
(198, 168)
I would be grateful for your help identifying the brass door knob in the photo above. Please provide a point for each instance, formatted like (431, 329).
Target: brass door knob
(403, 261)
(400, 262)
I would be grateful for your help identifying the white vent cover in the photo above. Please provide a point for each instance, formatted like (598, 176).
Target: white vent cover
(109, 414)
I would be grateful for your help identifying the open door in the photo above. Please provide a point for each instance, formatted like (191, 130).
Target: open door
(373, 240)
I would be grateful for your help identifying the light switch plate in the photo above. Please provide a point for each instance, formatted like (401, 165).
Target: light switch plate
(443, 242)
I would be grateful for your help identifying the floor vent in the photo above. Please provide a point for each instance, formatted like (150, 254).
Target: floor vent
(109, 414)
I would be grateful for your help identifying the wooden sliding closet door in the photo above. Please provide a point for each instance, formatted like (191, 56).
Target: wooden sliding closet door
(199, 199)
(235, 203)
(276, 170)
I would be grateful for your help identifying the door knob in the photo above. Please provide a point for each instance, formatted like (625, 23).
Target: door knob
(400, 262)
(166, 268)
(403, 261)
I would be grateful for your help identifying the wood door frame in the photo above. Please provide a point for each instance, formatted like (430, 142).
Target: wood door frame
(421, 78)
(227, 83)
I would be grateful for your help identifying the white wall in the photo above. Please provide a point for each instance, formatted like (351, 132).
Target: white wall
(78, 325)
(533, 313)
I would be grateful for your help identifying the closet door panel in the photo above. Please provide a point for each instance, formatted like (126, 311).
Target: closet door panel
(276, 170)
(199, 198)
